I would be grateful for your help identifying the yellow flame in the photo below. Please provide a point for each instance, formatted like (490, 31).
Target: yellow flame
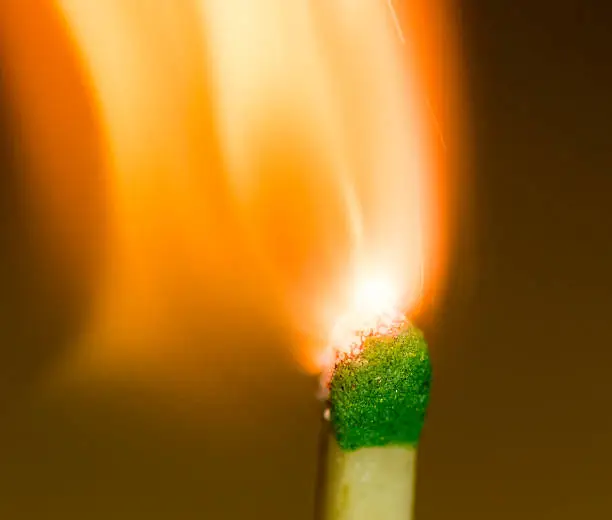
(258, 152)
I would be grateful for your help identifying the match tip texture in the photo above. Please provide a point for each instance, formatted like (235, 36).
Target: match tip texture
(379, 397)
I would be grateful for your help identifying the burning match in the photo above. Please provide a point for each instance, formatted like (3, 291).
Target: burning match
(254, 153)
(377, 392)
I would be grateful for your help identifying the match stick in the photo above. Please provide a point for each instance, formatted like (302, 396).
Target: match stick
(378, 395)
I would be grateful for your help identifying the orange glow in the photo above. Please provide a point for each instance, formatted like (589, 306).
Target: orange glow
(51, 105)
(430, 29)
(279, 154)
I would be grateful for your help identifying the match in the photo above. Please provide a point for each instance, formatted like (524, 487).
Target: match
(377, 396)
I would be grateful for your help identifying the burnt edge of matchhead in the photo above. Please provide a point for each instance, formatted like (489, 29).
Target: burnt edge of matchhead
(379, 396)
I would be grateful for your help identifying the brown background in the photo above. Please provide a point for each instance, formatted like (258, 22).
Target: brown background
(519, 423)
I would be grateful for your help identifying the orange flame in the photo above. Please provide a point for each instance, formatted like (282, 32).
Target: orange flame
(265, 152)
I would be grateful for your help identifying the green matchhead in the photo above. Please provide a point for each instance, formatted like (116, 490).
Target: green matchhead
(379, 397)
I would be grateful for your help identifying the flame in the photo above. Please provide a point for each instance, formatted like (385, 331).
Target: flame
(276, 153)
(374, 310)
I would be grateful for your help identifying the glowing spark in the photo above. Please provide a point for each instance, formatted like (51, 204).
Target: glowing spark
(396, 21)
(436, 124)
(400, 33)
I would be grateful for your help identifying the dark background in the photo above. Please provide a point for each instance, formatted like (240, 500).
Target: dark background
(519, 423)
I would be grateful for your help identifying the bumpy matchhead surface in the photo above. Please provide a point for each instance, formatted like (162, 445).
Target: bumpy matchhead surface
(379, 396)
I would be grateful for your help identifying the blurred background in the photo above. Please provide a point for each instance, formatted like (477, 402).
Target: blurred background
(147, 368)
